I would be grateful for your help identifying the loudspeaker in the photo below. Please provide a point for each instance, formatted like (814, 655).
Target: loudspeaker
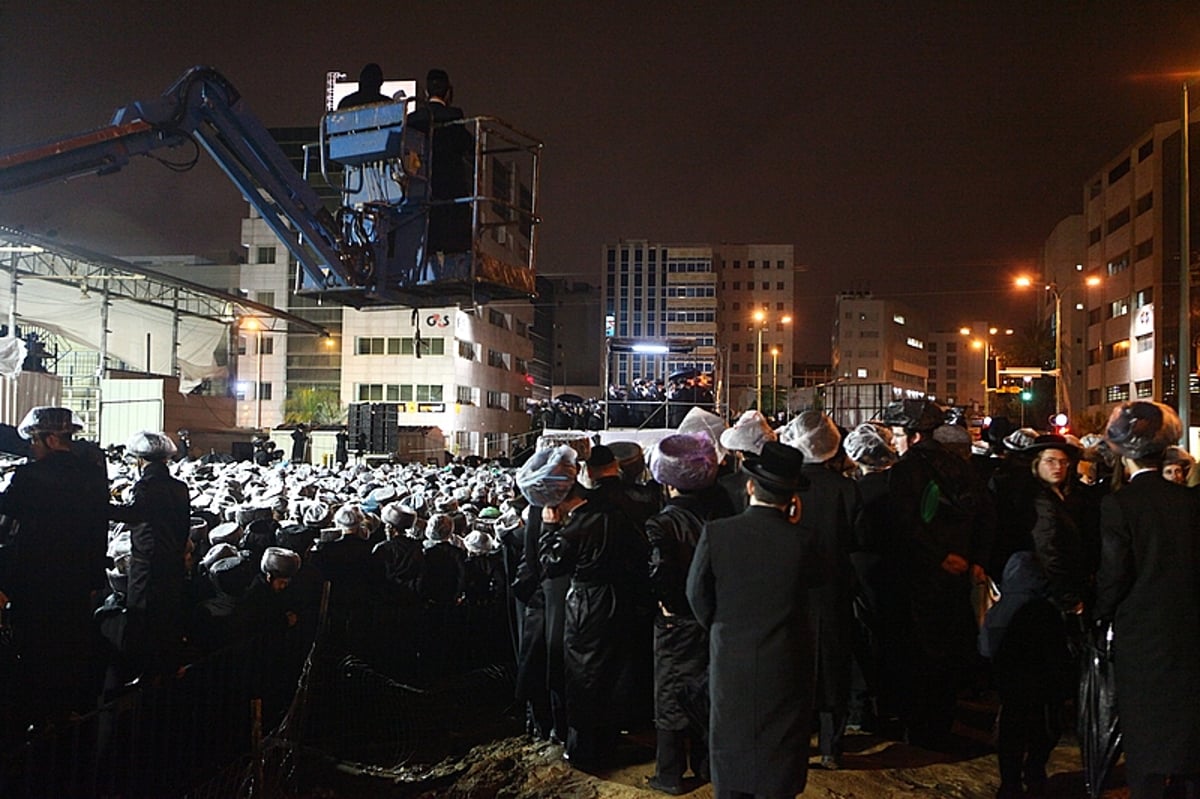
(378, 424)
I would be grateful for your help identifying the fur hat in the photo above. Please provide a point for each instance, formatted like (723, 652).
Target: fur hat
(245, 514)
(316, 514)
(686, 461)
(1142, 428)
(348, 518)
(479, 543)
(631, 457)
(225, 533)
(548, 475)
(870, 445)
(398, 516)
(1176, 454)
(748, 433)
(151, 446)
(46, 419)
(952, 434)
(439, 527)
(279, 562)
(814, 434)
(698, 420)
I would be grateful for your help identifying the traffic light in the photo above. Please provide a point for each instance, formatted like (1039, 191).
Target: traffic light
(991, 380)
(1026, 394)
(1060, 423)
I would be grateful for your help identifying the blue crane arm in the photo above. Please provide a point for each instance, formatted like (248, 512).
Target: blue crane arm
(204, 106)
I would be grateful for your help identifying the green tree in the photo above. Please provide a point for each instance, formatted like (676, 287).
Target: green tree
(313, 407)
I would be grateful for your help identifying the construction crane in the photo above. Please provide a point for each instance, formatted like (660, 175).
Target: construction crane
(373, 250)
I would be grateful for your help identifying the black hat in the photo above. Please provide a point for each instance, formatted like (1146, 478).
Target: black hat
(997, 429)
(601, 456)
(1052, 441)
(920, 415)
(778, 467)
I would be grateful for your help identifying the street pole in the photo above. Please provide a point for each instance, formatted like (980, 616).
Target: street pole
(758, 357)
(987, 405)
(774, 380)
(258, 385)
(1184, 359)
(1057, 348)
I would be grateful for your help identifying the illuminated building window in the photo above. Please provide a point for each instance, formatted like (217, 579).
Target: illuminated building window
(1118, 349)
(1116, 393)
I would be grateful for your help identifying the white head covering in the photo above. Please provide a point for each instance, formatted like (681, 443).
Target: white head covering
(151, 446)
(748, 433)
(814, 434)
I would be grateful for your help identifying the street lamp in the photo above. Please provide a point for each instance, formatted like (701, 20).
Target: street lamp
(1052, 287)
(761, 318)
(984, 343)
(1184, 359)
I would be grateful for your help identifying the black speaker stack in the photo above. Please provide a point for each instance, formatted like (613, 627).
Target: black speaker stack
(373, 427)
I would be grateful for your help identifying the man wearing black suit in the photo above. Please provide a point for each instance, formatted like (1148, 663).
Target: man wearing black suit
(749, 586)
(1149, 587)
(453, 151)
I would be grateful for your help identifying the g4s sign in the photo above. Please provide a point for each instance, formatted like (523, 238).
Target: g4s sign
(438, 320)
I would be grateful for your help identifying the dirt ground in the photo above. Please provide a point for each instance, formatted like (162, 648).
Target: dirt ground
(873, 768)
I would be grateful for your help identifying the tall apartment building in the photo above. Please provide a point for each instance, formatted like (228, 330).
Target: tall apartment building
(1063, 264)
(709, 293)
(757, 294)
(654, 292)
(957, 364)
(1132, 213)
(880, 341)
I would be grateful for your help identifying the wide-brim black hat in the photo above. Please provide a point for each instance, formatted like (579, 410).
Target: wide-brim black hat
(778, 467)
(1052, 441)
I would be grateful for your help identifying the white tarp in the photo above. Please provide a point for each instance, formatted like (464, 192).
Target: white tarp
(133, 328)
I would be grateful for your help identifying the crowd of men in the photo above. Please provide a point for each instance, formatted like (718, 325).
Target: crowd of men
(809, 580)
(741, 588)
(643, 403)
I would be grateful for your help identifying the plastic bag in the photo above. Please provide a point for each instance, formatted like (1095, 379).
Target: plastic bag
(1099, 720)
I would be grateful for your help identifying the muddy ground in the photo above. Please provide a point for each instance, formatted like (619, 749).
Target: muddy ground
(516, 767)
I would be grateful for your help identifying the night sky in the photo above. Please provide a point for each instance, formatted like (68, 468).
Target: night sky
(906, 148)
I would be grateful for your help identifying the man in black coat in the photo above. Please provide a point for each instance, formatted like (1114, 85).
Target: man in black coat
(300, 444)
(686, 464)
(749, 585)
(160, 519)
(54, 567)
(370, 81)
(602, 544)
(832, 506)
(944, 522)
(1149, 586)
(450, 177)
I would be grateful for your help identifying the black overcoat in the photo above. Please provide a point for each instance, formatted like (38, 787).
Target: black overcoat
(1149, 584)
(161, 513)
(831, 505)
(749, 585)
(680, 642)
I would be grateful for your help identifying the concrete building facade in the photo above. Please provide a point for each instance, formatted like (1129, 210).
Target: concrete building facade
(880, 341)
(1131, 217)
(757, 292)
